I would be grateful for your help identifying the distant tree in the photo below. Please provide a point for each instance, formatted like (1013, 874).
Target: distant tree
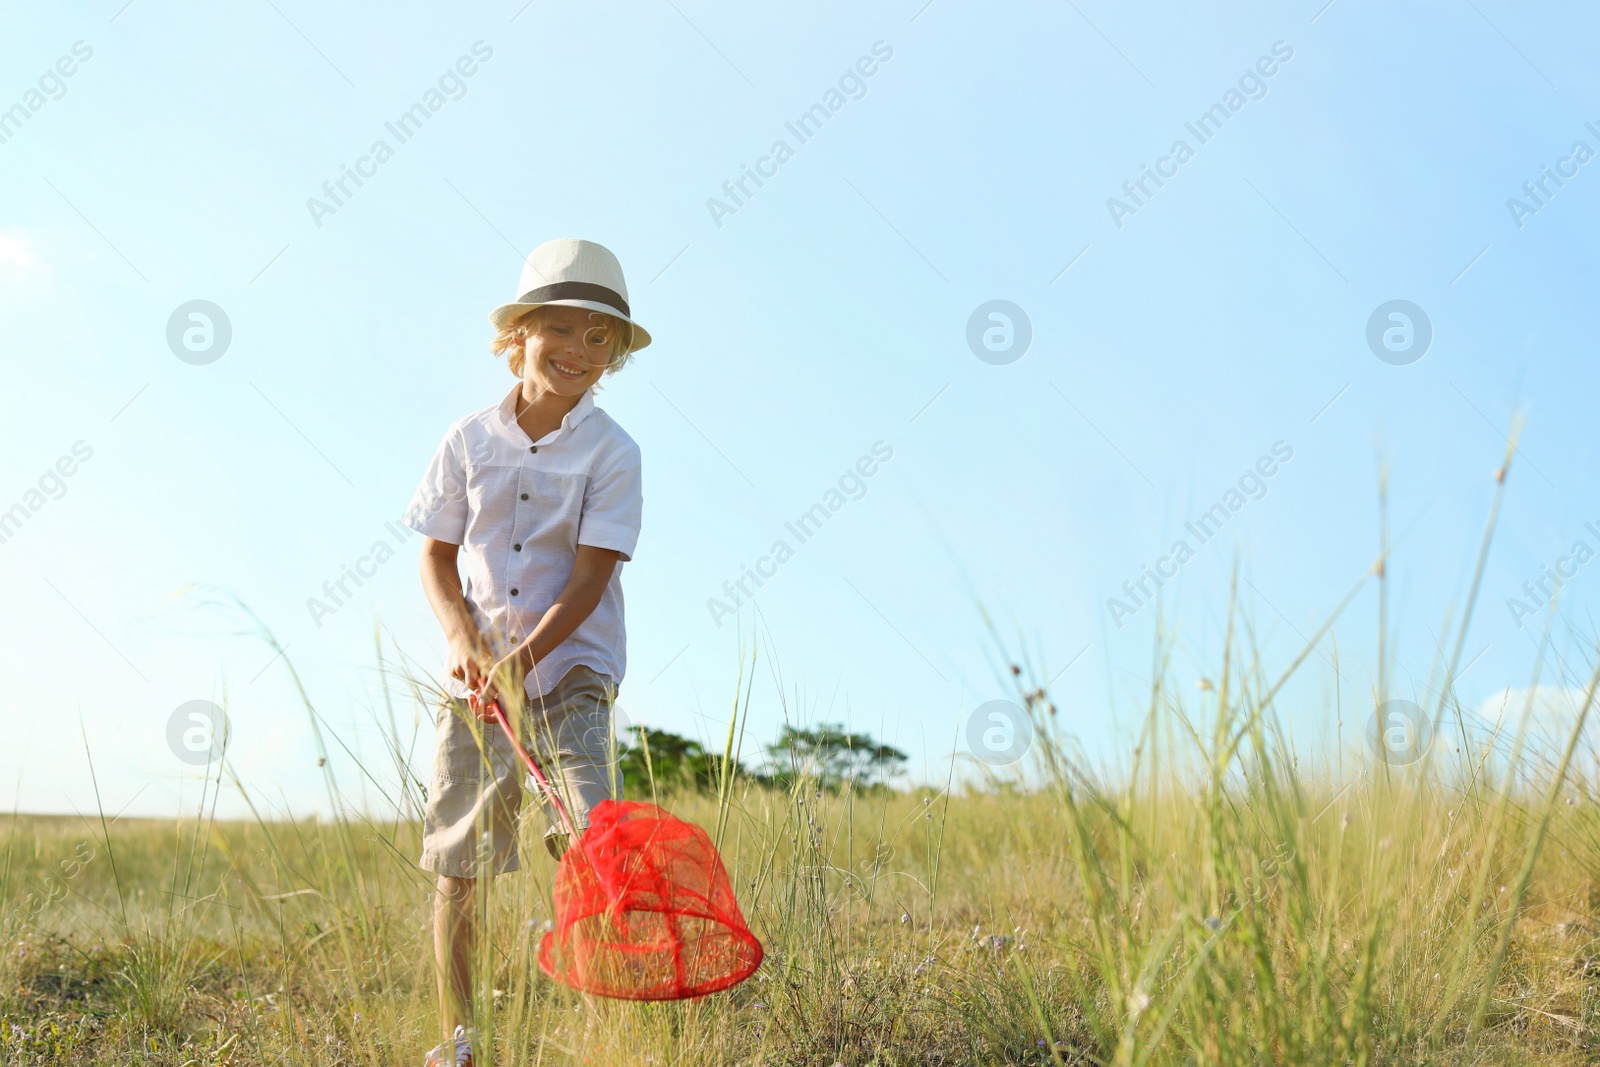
(832, 756)
(826, 753)
(675, 762)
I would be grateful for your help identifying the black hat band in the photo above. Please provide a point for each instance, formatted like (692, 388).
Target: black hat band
(598, 294)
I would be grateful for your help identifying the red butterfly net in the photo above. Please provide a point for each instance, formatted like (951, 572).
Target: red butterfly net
(644, 908)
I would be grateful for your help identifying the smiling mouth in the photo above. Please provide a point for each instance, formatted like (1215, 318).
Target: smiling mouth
(566, 369)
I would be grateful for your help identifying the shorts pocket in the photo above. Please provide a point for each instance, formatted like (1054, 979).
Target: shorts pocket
(460, 755)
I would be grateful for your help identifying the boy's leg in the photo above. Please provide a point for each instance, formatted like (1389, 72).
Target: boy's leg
(469, 830)
(454, 937)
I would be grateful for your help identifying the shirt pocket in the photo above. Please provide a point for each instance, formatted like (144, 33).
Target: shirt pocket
(547, 506)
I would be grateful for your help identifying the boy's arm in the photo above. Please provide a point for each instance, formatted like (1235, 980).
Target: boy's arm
(441, 580)
(591, 572)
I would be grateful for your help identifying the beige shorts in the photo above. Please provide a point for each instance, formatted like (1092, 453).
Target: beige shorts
(475, 797)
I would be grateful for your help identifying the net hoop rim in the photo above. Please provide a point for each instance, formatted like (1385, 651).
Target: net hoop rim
(721, 982)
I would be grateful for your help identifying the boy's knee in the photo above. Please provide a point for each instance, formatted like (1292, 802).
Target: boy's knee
(457, 891)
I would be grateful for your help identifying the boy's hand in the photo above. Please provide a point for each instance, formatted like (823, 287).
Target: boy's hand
(466, 663)
(507, 673)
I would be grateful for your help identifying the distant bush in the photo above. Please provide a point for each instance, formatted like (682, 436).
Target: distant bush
(674, 762)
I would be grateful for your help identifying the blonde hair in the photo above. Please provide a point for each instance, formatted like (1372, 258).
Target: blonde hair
(510, 339)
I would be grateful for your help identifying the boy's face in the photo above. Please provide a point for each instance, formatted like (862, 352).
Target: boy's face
(567, 350)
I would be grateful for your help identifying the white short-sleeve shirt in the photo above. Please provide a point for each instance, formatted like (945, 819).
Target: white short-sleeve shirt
(519, 509)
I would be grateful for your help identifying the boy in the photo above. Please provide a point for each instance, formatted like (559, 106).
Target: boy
(528, 509)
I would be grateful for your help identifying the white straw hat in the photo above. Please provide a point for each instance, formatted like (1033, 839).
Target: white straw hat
(571, 273)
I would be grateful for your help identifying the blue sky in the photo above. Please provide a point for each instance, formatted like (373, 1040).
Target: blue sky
(1172, 347)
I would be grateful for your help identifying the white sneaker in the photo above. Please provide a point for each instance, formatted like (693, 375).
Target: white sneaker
(460, 1055)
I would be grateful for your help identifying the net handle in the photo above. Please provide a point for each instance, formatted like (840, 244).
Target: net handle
(538, 775)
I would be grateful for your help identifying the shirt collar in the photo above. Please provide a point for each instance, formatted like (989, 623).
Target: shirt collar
(580, 411)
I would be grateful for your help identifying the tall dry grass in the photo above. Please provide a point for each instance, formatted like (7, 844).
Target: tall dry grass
(1394, 919)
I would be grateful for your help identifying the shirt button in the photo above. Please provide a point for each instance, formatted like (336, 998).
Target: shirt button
(524, 496)
(513, 592)
(533, 448)
(517, 547)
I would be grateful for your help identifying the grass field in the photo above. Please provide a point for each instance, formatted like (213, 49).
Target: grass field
(1212, 906)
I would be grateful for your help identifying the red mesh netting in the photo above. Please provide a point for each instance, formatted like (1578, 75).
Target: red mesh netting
(644, 910)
